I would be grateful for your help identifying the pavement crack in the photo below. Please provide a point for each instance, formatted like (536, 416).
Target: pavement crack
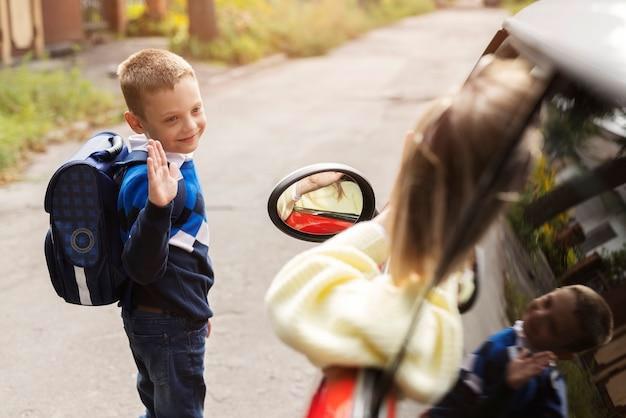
(216, 398)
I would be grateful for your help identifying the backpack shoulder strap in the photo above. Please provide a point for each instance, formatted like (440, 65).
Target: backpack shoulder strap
(131, 159)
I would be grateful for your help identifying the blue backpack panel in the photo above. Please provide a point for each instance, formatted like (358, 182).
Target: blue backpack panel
(83, 246)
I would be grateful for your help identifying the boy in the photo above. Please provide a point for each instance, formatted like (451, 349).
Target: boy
(165, 233)
(513, 373)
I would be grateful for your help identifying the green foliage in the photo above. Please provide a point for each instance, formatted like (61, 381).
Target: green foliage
(34, 102)
(256, 5)
(614, 265)
(515, 300)
(543, 238)
(140, 24)
(242, 38)
(515, 6)
(135, 11)
(310, 29)
(569, 122)
(584, 400)
(385, 11)
(252, 29)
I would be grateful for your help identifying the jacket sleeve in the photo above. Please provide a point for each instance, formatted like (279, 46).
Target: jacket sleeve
(480, 391)
(333, 304)
(495, 394)
(146, 247)
(551, 401)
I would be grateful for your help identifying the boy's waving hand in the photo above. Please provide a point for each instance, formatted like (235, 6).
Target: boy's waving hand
(526, 366)
(162, 179)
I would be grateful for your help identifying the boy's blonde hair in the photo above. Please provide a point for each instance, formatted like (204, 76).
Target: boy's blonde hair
(147, 71)
(455, 142)
(594, 318)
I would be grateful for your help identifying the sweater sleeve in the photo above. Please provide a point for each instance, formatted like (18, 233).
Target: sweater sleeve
(333, 304)
(285, 203)
(146, 247)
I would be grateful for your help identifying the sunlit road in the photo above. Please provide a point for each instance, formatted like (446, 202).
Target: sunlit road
(351, 106)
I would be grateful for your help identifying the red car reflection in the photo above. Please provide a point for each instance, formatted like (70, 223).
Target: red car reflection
(313, 222)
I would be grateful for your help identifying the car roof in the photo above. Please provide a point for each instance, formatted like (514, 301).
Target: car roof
(583, 39)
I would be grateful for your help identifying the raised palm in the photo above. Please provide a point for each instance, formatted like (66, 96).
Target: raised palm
(162, 179)
(526, 366)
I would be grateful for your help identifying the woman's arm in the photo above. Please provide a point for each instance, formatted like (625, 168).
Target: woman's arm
(286, 202)
(317, 181)
(333, 304)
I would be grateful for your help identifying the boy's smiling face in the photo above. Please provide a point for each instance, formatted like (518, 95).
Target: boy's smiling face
(550, 321)
(175, 117)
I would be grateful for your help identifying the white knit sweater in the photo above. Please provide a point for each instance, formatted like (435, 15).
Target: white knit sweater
(333, 304)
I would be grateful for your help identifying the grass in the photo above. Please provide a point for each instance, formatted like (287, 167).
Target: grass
(34, 103)
(515, 300)
(515, 6)
(582, 395)
(252, 29)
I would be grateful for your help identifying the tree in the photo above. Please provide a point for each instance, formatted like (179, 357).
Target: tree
(603, 178)
(570, 121)
(156, 9)
(202, 20)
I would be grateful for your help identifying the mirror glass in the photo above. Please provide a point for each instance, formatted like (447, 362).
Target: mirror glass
(321, 204)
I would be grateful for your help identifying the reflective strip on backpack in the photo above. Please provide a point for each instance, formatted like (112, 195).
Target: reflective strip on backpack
(83, 290)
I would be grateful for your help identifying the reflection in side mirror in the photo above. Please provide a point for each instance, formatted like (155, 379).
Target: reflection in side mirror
(319, 201)
(321, 204)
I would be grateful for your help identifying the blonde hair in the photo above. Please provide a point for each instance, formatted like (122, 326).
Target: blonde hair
(594, 318)
(147, 71)
(455, 141)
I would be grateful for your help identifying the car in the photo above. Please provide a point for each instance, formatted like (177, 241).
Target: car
(580, 47)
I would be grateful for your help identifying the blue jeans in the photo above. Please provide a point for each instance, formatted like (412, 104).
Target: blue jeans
(169, 354)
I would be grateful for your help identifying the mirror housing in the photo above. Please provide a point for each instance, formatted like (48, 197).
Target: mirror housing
(369, 202)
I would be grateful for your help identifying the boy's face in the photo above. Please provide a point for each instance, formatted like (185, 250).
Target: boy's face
(173, 117)
(550, 322)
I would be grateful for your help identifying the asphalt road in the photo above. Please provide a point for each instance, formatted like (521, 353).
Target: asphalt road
(352, 106)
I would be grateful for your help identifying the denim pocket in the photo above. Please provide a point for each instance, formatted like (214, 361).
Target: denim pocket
(153, 351)
(188, 352)
(197, 343)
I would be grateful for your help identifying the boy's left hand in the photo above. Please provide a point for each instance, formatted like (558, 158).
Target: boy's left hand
(208, 328)
(526, 366)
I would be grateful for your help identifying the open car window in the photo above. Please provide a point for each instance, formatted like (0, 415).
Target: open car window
(573, 209)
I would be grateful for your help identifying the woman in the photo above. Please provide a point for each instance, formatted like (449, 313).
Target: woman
(335, 305)
(325, 191)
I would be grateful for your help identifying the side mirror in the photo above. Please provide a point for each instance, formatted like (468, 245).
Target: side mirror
(317, 202)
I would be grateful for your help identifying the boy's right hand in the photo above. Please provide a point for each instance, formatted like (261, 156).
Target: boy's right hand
(162, 179)
(526, 366)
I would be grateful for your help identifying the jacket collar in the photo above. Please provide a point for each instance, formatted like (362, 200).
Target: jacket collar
(139, 142)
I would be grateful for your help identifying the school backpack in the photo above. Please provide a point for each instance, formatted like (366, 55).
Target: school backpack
(83, 245)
